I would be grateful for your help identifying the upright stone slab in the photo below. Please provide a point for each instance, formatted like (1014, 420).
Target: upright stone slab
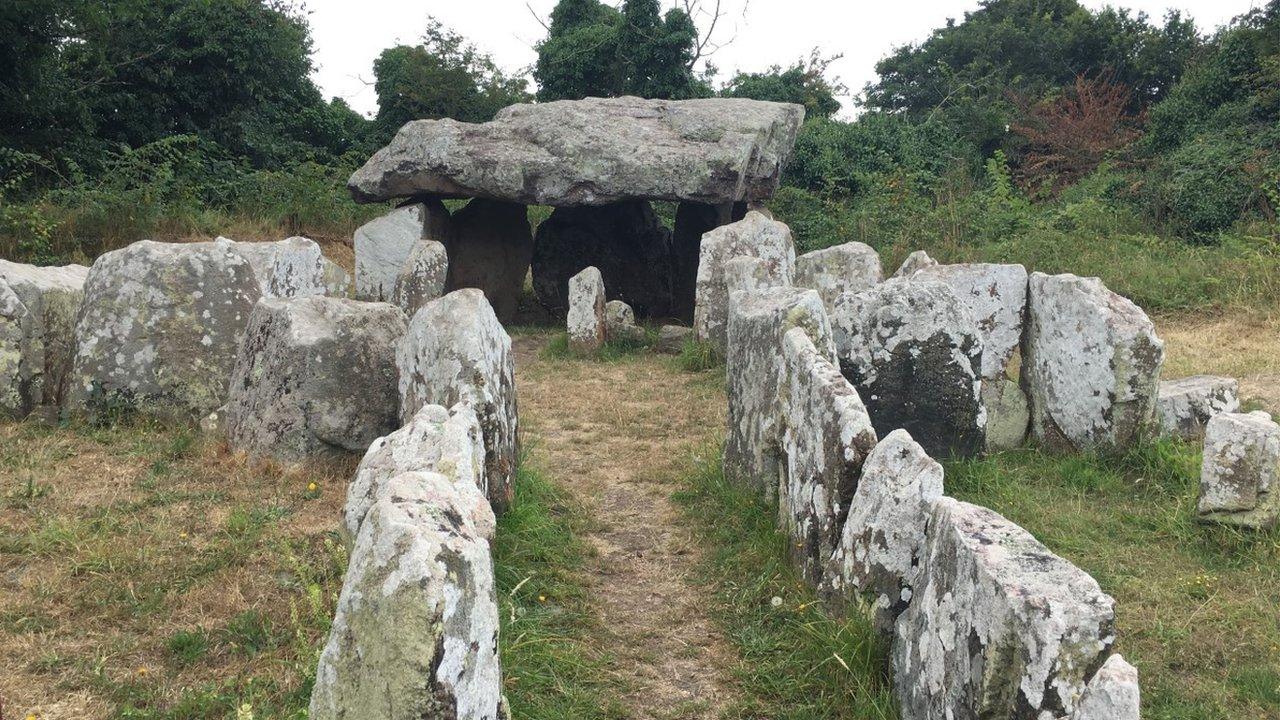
(881, 547)
(384, 244)
(1240, 470)
(38, 307)
(1185, 406)
(914, 263)
(586, 311)
(416, 630)
(753, 367)
(692, 221)
(314, 377)
(337, 281)
(160, 327)
(1091, 365)
(288, 268)
(751, 275)
(825, 436)
(456, 351)
(422, 279)
(753, 236)
(620, 322)
(851, 267)
(1112, 694)
(998, 626)
(915, 354)
(490, 245)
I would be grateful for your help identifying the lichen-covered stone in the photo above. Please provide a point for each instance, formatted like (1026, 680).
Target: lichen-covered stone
(586, 321)
(915, 262)
(914, 354)
(825, 436)
(490, 246)
(620, 322)
(881, 547)
(753, 368)
(422, 278)
(672, 339)
(1090, 364)
(753, 236)
(454, 351)
(160, 327)
(851, 267)
(383, 245)
(996, 298)
(1240, 470)
(337, 281)
(415, 634)
(1008, 413)
(315, 376)
(285, 269)
(998, 626)
(1184, 406)
(1112, 693)
(751, 275)
(38, 307)
(449, 442)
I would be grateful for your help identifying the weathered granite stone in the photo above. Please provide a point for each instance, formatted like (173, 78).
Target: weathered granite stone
(1240, 470)
(586, 321)
(625, 241)
(998, 626)
(384, 244)
(996, 298)
(288, 268)
(454, 351)
(1184, 406)
(337, 281)
(620, 323)
(914, 354)
(915, 262)
(160, 326)
(38, 307)
(1112, 693)
(751, 275)
(422, 279)
(1008, 414)
(753, 236)
(449, 442)
(1090, 364)
(851, 267)
(882, 543)
(315, 376)
(825, 436)
(753, 367)
(692, 221)
(416, 629)
(672, 338)
(490, 245)
(591, 152)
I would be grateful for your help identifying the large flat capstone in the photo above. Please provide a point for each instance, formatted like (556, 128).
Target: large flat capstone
(591, 152)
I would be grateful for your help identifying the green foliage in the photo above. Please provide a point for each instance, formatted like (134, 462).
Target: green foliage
(699, 356)
(804, 83)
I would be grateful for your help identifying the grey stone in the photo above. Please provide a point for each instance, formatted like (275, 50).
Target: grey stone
(586, 321)
(1090, 364)
(38, 307)
(383, 245)
(851, 267)
(288, 268)
(672, 338)
(591, 152)
(337, 281)
(315, 377)
(422, 278)
(1112, 693)
(881, 547)
(825, 436)
(160, 326)
(415, 634)
(1008, 413)
(620, 323)
(996, 298)
(692, 221)
(1240, 470)
(1184, 406)
(490, 245)
(915, 356)
(915, 262)
(455, 350)
(751, 275)
(998, 626)
(753, 236)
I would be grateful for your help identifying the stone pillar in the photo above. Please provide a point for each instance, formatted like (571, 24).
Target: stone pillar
(692, 220)
(489, 245)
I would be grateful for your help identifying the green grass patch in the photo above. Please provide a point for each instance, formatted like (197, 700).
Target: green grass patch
(699, 356)
(557, 348)
(796, 661)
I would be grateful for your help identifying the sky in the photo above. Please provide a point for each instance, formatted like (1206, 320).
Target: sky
(349, 34)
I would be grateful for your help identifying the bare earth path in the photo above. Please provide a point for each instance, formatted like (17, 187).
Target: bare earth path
(618, 435)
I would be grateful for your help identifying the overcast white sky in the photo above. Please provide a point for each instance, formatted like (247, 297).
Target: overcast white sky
(349, 34)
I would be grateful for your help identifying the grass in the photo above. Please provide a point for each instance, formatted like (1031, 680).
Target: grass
(796, 661)
(614, 350)
(1195, 604)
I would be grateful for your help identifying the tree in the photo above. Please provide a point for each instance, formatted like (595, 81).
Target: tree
(804, 83)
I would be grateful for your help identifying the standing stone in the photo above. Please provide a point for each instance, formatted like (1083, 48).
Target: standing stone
(1240, 470)
(160, 327)
(754, 236)
(998, 626)
(586, 311)
(1091, 365)
(284, 269)
(1185, 406)
(915, 262)
(825, 437)
(415, 634)
(314, 377)
(851, 267)
(1008, 413)
(620, 323)
(914, 354)
(753, 367)
(38, 307)
(882, 545)
(693, 220)
(625, 241)
(672, 338)
(1112, 694)
(751, 275)
(422, 279)
(490, 245)
(384, 244)
(337, 281)
(455, 350)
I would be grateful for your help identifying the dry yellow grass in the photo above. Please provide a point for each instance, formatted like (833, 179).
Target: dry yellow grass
(1244, 345)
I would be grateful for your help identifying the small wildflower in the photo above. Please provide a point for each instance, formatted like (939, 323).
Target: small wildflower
(542, 598)
(142, 670)
(244, 712)
(182, 535)
(776, 601)
(311, 487)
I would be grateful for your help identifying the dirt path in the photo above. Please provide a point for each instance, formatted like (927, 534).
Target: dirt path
(618, 435)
